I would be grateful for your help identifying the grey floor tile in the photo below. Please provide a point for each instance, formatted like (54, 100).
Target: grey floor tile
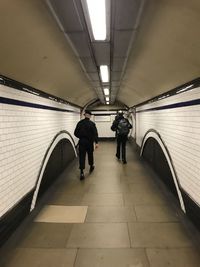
(144, 188)
(109, 188)
(45, 235)
(145, 198)
(41, 258)
(181, 257)
(99, 235)
(75, 187)
(160, 235)
(133, 178)
(111, 258)
(155, 213)
(103, 179)
(103, 200)
(110, 214)
(108, 174)
(66, 199)
(134, 169)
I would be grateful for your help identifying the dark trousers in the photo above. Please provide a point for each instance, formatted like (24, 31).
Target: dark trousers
(121, 147)
(85, 146)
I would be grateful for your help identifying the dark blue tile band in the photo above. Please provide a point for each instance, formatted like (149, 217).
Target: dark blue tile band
(176, 105)
(9, 101)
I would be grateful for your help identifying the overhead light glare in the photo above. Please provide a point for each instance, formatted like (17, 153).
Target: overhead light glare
(107, 98)
(97, 14)
(107, 103)
(106, 91)
(184, 89)
(104, 73)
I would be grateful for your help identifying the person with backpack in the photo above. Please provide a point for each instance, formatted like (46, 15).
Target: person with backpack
(122, 127)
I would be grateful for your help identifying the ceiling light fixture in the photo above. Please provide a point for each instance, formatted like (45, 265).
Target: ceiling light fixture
(106, 91)
(97, 14)
(104, 73)
(107, 103)
(107, 99)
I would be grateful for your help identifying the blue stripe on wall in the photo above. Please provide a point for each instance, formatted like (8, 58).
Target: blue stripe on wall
(9, 101)
(176, 105)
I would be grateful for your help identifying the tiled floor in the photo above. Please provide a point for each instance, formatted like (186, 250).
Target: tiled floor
(117, 217)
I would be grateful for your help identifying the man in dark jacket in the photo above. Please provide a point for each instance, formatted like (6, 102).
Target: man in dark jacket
(87, 133)
(122, 127)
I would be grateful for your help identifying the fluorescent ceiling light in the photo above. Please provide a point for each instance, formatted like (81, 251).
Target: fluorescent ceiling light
(97, 14)
(104, 73)
(106, 91)
(107, 98)
(107, 103)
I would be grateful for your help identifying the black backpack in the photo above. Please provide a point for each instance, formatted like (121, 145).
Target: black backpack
(123, 127)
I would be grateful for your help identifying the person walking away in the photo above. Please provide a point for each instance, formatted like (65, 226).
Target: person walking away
(122, 127)
(87, 133)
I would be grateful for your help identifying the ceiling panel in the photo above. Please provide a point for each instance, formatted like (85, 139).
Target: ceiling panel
(80, 42)
(95, 83)
(121, 42)
(115, 83)
(67, 14)
(126, 13)
(102, 52)
(88, 64)
(118, 63)
(116, 75)
(93, 76)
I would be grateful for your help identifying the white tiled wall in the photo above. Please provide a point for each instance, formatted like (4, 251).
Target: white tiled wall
(25, 135)
(104, 126)
(180, 130)
(133, 122)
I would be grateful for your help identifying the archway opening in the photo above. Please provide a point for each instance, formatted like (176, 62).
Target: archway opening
(154, 155)
(61, 155)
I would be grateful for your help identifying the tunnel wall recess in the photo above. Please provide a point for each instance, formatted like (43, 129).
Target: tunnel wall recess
(37, 142)
(61, 151)
(167, 132)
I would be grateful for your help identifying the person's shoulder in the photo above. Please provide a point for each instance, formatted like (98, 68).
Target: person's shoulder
(92, 123)
(80, 122)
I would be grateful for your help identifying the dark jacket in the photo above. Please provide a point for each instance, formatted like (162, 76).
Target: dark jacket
(86, 129)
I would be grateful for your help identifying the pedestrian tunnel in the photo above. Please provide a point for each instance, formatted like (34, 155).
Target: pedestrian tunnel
(53, 67)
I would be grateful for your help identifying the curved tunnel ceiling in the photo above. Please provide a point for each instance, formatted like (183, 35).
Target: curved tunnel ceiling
(164, 54)
(34, 51)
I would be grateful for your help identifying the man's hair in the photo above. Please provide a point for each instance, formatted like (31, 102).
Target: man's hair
(88, 112)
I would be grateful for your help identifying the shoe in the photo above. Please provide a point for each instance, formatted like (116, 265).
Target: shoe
(91, 168)
(82, 177)
(124, 162)
(117, 157)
